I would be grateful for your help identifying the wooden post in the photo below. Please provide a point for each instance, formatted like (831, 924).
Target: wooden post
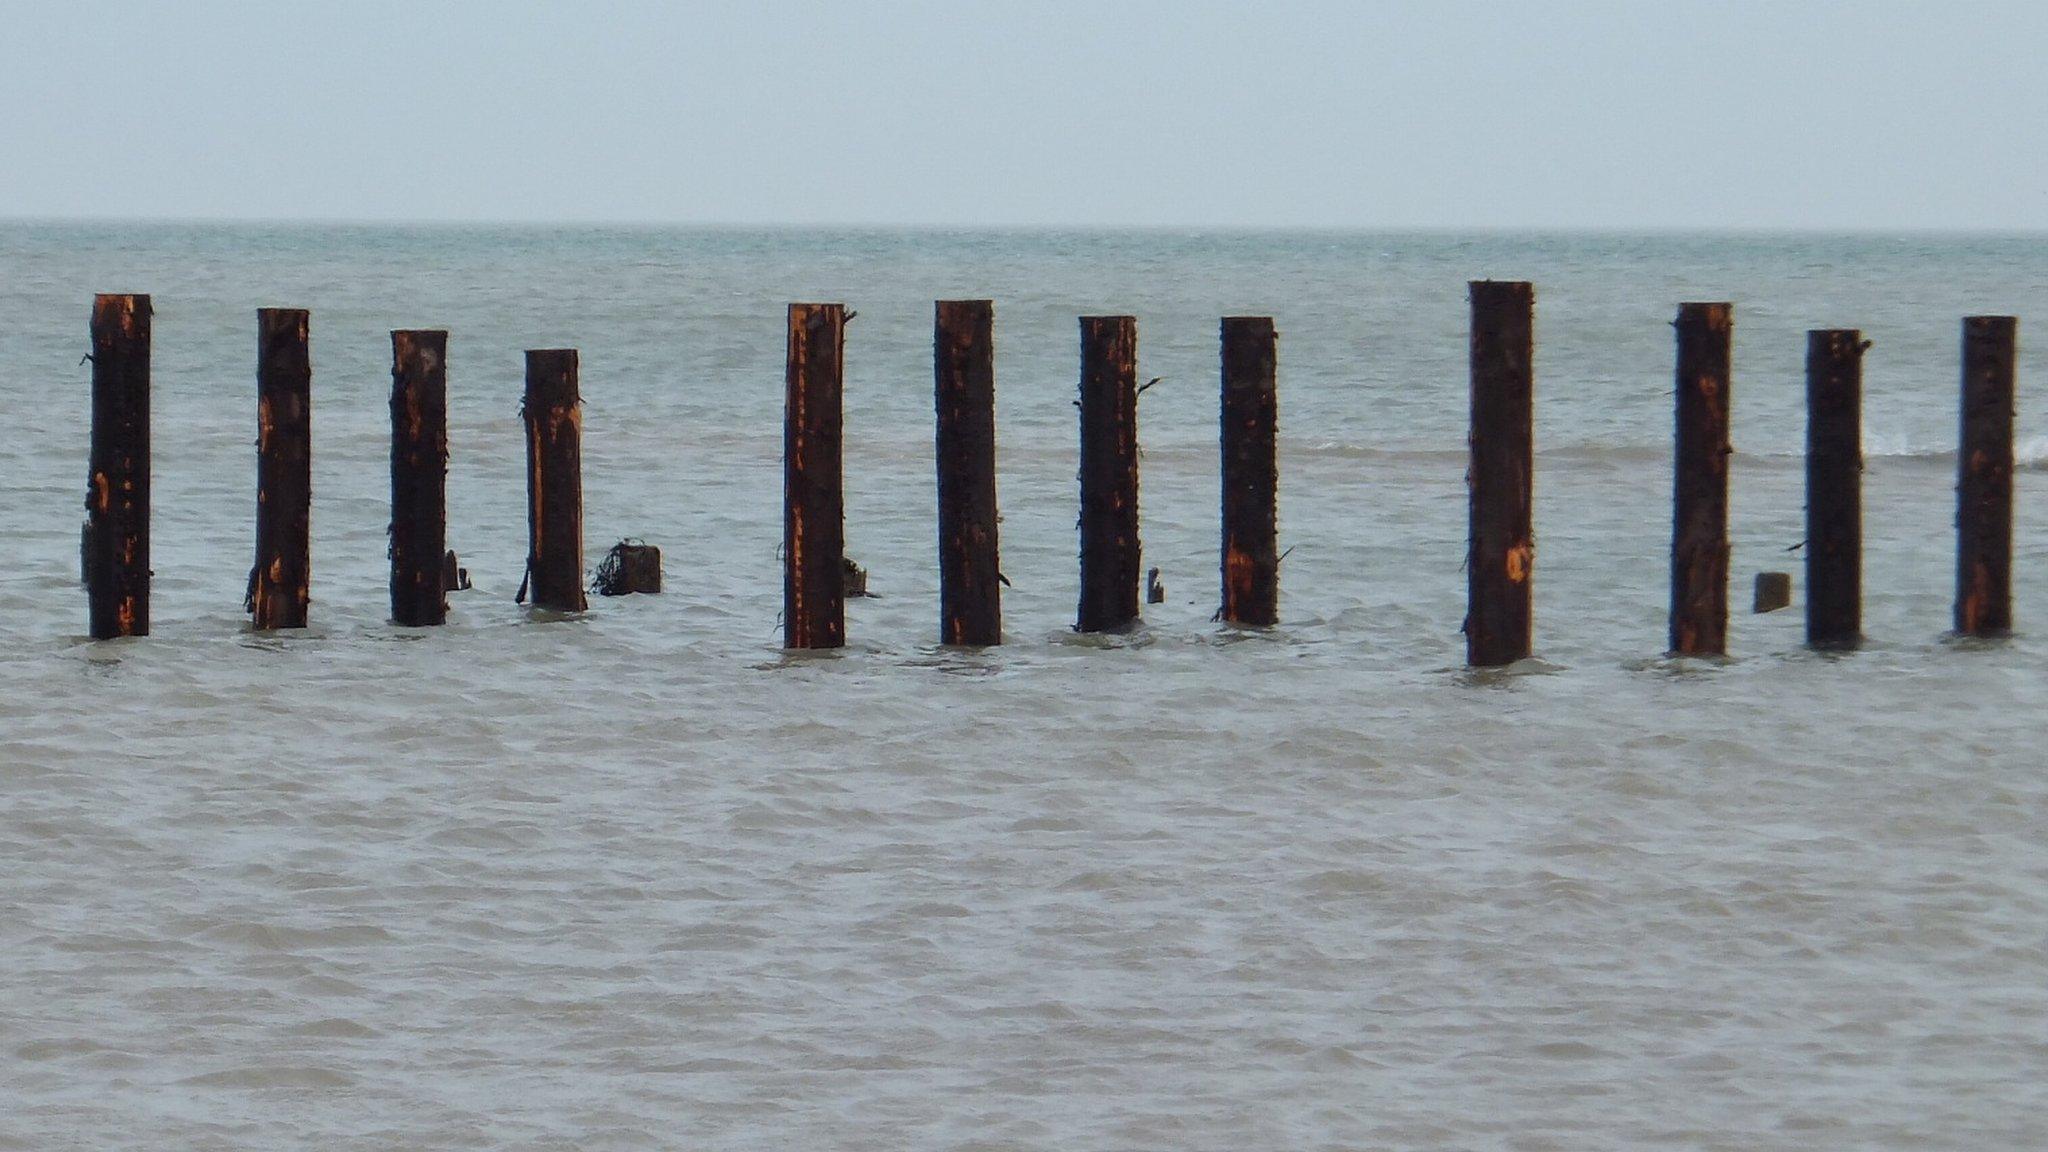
(964, 389)
(553, 412)
(117, 490)
(1834, 488)
(279, 581)
(1773, 591)
(813, 507)
(630, 566)
(1984, 479)
(1699, 488)
(1109, 473)
(419, 477)
(1501, 557)
(1251, 477)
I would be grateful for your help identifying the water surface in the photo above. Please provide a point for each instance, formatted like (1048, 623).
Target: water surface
(640, 880)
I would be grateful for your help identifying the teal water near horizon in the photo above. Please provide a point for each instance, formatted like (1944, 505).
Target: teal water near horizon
(639, 879)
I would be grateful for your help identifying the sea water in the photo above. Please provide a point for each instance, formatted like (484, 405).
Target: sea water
(639, 879)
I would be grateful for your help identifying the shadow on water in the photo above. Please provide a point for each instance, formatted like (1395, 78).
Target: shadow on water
(1675, 667)
(955, 660)
(1136, 634)
(104, 657)
(1504, 677)
(787, 659)
(280, 639)
(1963, 642)
(555, 616)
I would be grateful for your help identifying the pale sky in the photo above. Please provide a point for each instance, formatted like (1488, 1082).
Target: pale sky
(1445, 114)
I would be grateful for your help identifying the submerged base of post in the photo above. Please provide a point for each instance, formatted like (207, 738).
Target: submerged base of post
(630, 567)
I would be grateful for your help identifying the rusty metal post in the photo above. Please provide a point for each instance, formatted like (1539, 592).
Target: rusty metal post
(1699, 483)
(419, 477)
(553, 413)
(1109, 474)
(813, 504)
(1251, 476)
(1834, 488)
(964, 388)
(116, 549)
(1984, 478)
(279, 581)
(1500, 559)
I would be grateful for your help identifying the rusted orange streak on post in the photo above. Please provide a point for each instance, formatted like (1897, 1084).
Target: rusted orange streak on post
(553, 414)
(116, 545)
(814, 518)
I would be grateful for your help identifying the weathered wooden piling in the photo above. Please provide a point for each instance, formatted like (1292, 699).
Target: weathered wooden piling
(1699, 487)
(116, 549)
(1984, 478)
(1501, 556)
(1251, 478)
(1773, 591)
(964, 391)
(553, 413)
(1109, 473)
(419, 476)
(280, 579)
(1834, 488)
(631, 566)
(813, 507)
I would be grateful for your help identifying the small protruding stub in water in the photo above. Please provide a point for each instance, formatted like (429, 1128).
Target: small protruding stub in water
(1773, 591)
(454, 577)
(631, 566)
(856, 577)
(1155, 592)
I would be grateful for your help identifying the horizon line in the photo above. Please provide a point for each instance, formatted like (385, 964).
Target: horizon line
(648, 224)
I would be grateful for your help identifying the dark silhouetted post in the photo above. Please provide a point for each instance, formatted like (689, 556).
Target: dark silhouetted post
(279, 582)
(1109, 473)
(1699, 487)
(1501, 557)
(1984, 478)
(553, 412)
(1251, 476)
(964, 389)
(117, 491)
(419, 477)
(813, 508)
(1834, 488)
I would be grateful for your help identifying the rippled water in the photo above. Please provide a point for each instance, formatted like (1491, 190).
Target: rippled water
(639, 880)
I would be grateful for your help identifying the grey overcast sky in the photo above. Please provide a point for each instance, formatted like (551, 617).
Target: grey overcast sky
(1450, 114)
